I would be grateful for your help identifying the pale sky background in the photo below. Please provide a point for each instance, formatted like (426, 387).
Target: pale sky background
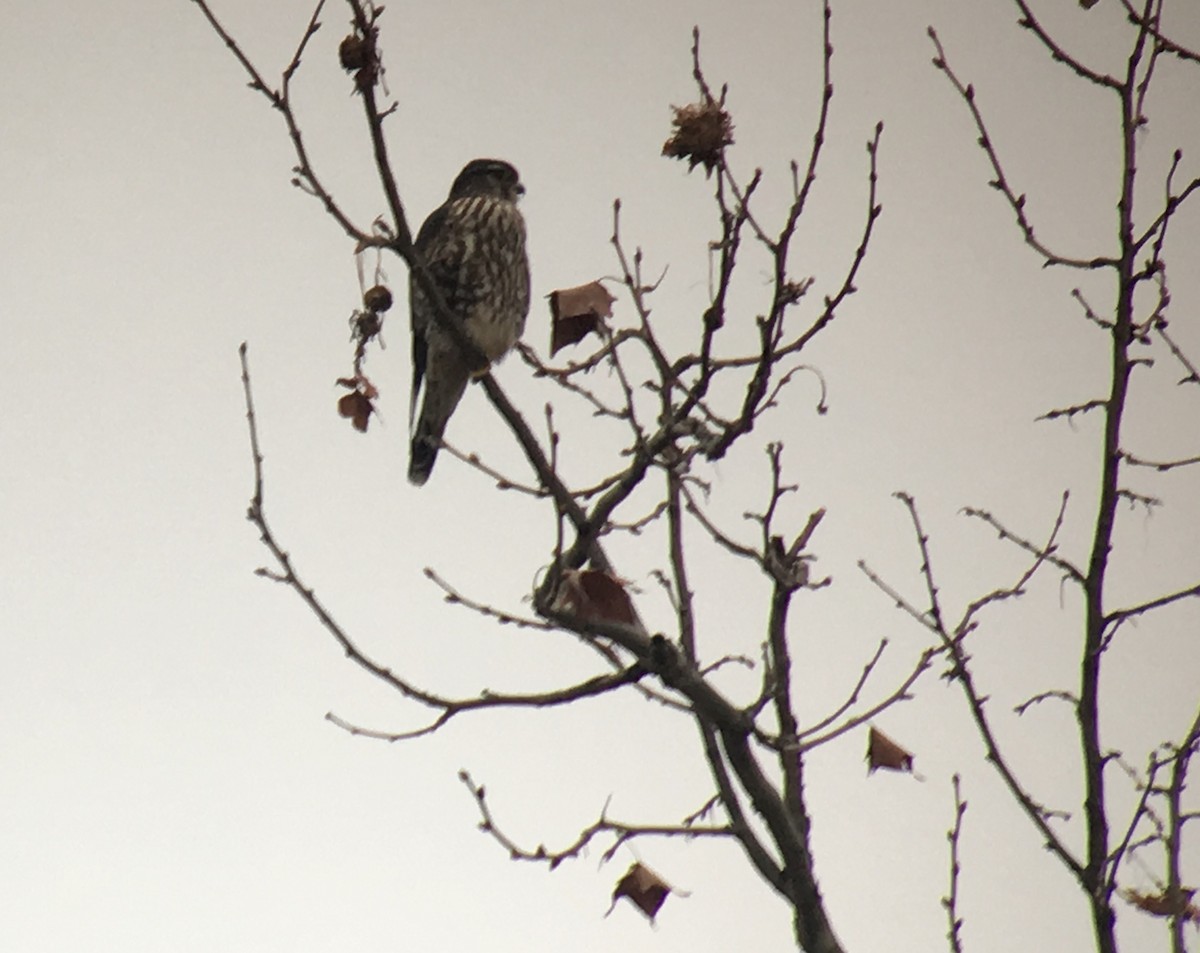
(168, 780)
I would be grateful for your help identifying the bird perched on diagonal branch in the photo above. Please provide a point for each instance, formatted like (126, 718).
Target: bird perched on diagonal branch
(474, 248)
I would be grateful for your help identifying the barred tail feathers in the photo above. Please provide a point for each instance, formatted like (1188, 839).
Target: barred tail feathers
(440, 400)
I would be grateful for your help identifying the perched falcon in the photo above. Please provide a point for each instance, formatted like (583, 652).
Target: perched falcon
(474, 247)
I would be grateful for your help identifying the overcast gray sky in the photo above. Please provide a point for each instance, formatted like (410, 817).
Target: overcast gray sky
(168, 780)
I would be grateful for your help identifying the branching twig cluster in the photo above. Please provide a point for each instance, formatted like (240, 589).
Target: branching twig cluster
(620, 832)
(675, 423)
(1137, 256)
(674, 428)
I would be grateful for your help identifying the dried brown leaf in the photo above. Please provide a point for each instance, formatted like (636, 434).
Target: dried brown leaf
(882, 752)
(354, 52)
(377, 298)
(644, 887)
(591, 594)
(358, 405)
(571, 330)
(1162, 904)
(701, 133)
(365, 326)
(576, 312)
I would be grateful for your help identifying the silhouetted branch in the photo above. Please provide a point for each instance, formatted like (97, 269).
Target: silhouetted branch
(1000, 182)
(950, 901)
(1055, 694)
(486, 700)
(286, 573)
(785, 293)
(902, 692)
(1176, 818)
(502, 482)
(1042, 555)
(952, 641)
(365, 17)
(1059, 55)
(1160, 465)
(454, 597)
(1118, 616)
(852, 697)
(306, 176)
(1072, 412)
(1088, 313)
(622, 833)
(818, 140)
(1137, 18)
(564, 377)
(679, 420)
(1193, 375)
(1032, 548)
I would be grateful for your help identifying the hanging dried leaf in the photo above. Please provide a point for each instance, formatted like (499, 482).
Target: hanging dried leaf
(702, 131)
(571, 330)
(361, 384)
(357, 408)
(377, 298)
(354, 52)
(359, 55)
(644, 887)
(365, 327)
(882, 752)
(359, 404)
(1088, 4)
(591, 594)
(1162, 904)
(576, 312)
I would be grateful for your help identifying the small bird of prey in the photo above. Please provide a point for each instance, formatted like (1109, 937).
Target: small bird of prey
(474, 247)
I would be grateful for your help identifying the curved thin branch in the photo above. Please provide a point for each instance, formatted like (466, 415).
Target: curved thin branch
(952, 642)
(451, 707)
(306, 176)
(1166, 43)
(1000, 182)
(1059, 55)
(622, 832)
(901, 693)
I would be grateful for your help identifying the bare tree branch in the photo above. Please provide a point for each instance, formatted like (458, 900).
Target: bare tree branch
(950, 901)
(622, 833)
(1150, 25)
(280, 99)
(952, 641)
(1000, 182)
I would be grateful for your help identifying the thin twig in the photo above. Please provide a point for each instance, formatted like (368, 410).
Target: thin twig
(950, 901)
(1000, 182)
(622, 832)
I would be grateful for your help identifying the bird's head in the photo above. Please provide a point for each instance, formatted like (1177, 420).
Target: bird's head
(488, 177)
